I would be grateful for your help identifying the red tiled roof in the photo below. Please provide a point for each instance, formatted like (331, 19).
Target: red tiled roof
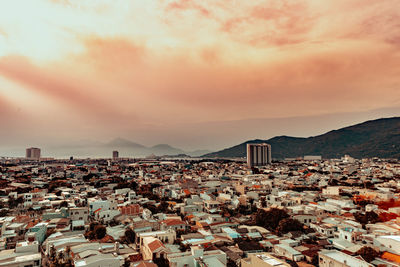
(156, 244)
(170, 222)
(107, 239)
(146, 264)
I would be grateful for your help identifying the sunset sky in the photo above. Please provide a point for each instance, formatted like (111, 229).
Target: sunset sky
(177, 71)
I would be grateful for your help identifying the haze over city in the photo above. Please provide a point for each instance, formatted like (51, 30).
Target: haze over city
(199, 133)
(193, 74)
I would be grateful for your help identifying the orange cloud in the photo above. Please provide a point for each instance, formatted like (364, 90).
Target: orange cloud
(65, 87)
(183, 5)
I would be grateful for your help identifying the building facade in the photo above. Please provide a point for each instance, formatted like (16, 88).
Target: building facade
(33, 153)
(258, 155)
(115, 155)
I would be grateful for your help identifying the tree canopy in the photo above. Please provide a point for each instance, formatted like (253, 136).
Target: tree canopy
(368, 253)
(270, 219)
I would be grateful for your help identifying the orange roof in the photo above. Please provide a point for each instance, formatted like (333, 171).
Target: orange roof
(391, 257)
(107, 239)
(256, 186)
(347, 214)
(156, 244)
(170, 222)
(146, 264)
(31, 224)
(23, 218)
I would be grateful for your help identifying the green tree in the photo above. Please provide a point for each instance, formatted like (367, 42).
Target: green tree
(12, 202)
(315, 260)
(163, 207)
(368, 253)
(100, 231)
(52, 254)
(263, 202)
(288, 225)
(162, 261)
(92, 225)
(368, 217)
(130, 236)
(270, 219)
(133, 185)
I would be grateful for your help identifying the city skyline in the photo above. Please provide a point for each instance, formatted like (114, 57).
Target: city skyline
(191, 73)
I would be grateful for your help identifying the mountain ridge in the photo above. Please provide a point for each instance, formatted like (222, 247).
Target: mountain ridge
(372, 138)
(125, 147)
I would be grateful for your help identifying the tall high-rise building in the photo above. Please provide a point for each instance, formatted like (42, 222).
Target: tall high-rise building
(33, 153)
(115, 154)
(258, 154)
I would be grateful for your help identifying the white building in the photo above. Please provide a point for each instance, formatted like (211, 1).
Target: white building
(24, 254)
(104, 210)
(197, 257)
(335, 258)
(79, 214)
(389, 243)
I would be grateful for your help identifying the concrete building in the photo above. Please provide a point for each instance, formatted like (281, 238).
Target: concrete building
(197, 257)
(262, 260)
(24, 254)
(335, 258)
(167, 236)
(79, 214)
(389, 243)
(152, 248)
(33, 153)
(258, 154)
(312, 157)
(115, 155)
(288, 252)
(104, 210)
(37, 233)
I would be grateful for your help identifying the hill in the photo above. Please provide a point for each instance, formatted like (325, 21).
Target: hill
(376, 138)
(126, 148)
(120, 142)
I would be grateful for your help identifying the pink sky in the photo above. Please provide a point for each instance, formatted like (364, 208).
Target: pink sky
(99, 69)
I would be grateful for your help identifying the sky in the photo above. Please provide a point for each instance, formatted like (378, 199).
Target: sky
(176, 70)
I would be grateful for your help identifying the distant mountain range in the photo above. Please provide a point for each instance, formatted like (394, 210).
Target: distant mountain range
(126, 148)
(375, 138)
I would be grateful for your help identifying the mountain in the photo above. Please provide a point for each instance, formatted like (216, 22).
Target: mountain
(120, 142)
(375, 138)
(164, 149)
(126, 148)
(200, 152)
